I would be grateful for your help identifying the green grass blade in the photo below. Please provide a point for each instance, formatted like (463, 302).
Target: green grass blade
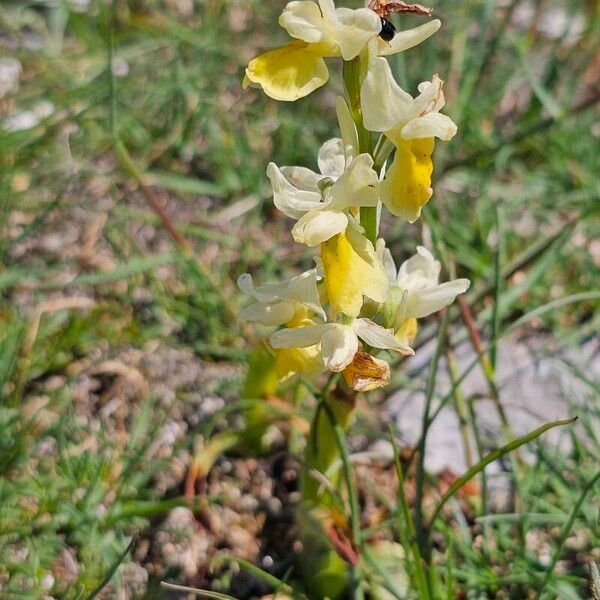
(407, 527)
(491, 458)
(565, 532)
(550, 306)
(430, 389)
(112, 571)
(347, 469)
(450, 585)
(195, 591)
(388, 583)
(276, 583)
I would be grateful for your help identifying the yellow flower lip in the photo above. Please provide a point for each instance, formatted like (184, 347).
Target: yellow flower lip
(407, 186)
(407, 332)
(297, 361)
(288, 73)
(352, 271)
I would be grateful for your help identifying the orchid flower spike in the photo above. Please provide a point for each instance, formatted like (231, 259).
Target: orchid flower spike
(323, 31)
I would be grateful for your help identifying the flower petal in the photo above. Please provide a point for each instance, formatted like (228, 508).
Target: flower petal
(379, 337)
(288, 73)
(318, 226)
(378, 284)
(290, 200)
(338, 347)
(358, 186)
(299, 337)
(328, 11)
(432, 124)
(354, 29)
(407, 185)
(303, 289)
(265, 293)
(422, 303)
(386, 259)
(302, 178)
(331, 158)
(419, 271)
(431, 96)
(269, 315)
(303, 20)
(385, 104)
(407, 332)
(404, 40)
(430, 100)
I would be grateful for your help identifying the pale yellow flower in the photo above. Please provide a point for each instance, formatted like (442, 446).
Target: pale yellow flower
(415, 291)
(322, 31)
(321, 201)
(297, 361)
(411, 124)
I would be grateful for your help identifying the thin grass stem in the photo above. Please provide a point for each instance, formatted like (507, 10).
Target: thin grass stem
(565, 533)
(406, 529)
(430, 390)
(491, 458)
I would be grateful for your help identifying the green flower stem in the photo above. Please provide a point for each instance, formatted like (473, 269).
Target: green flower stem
(324, 572)
(322, 450)
(352, 81)
(382, 152)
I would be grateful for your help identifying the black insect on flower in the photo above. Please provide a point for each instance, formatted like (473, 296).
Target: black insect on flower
(388, 31)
